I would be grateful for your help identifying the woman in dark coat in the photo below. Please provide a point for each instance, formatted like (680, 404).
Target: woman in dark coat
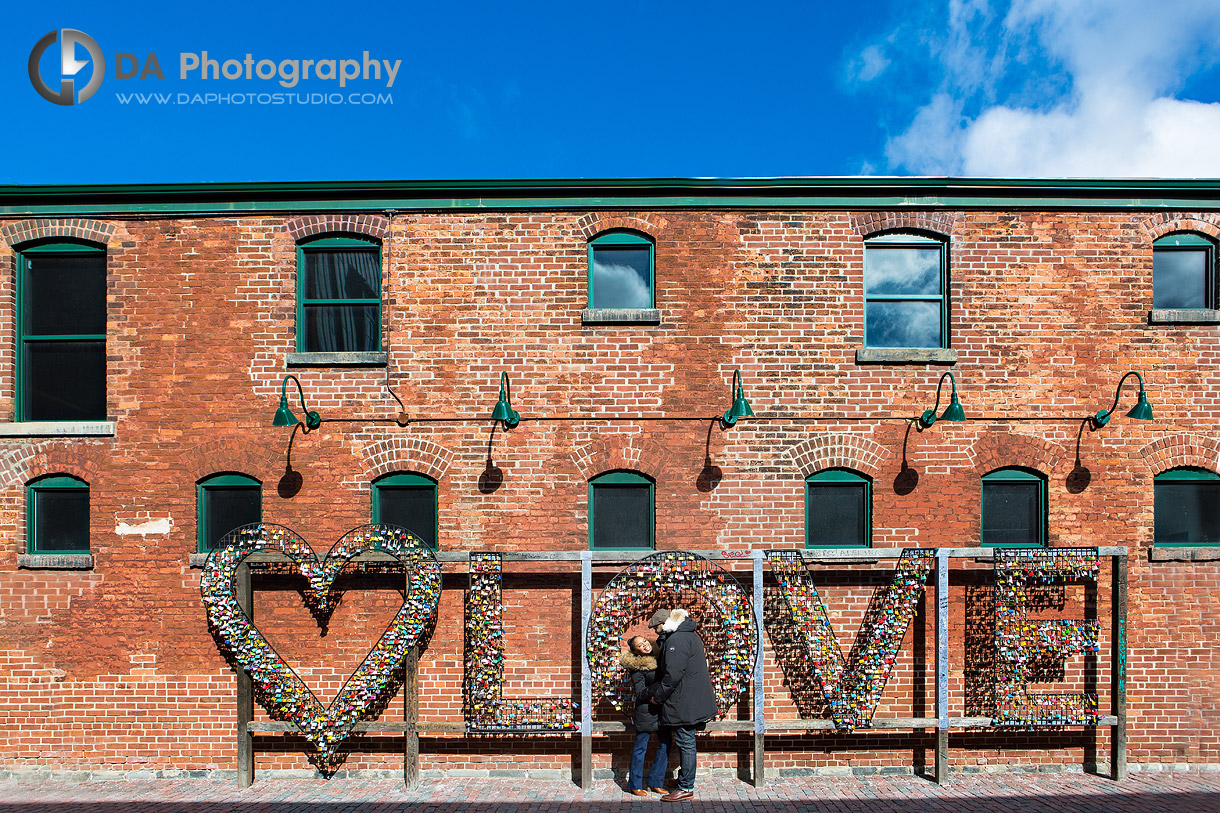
(641, 664)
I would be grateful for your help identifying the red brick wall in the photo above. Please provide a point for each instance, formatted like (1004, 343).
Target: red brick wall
(114, 667)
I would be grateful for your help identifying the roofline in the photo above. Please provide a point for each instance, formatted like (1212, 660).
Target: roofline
(854, 192)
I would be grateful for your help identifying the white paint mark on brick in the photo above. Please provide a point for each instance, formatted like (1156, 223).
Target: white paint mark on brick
(154, 527)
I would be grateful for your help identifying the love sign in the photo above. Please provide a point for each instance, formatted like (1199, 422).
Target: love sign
(279, 689)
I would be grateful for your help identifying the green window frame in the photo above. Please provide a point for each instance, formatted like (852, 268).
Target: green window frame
(894, 312)
(1176, 286)
(310, 308)
(1005, 489)
(220, 486)
(602, 288)
(640, 494)
(57, 505)
(70, 386)
(849, 495)
(418, 486)
(1186, 508)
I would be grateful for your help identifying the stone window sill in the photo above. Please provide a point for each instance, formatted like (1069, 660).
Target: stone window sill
(36, 429)
(199, 559)
(376, 358)
(1201, 553)
(905, 355)
(620, 316)
(55, 561)
(1184, 316)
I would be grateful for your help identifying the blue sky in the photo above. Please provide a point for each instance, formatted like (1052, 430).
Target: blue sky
(549, 90)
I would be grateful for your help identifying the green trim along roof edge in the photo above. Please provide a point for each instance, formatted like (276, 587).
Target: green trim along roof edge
(856, 193)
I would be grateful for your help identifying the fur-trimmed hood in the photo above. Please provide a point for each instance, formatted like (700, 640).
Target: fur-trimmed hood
(675, 620)
(638, 663)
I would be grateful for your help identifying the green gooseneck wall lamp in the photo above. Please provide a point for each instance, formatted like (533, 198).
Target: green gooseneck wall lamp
(504, 411)
(740, 407)
(284, 416)
(953, 412)
(1142, 411)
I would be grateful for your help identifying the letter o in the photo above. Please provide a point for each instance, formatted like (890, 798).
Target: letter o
(672, 579)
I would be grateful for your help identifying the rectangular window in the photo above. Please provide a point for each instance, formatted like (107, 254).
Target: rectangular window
(61, 329)
(1182, 272)
(408, 501)
(226, 502)
(621, 271)
(339, 296)
(1186, 508)
(1013, 509)
(621, 506)
(57, 516)
(837, 510)
(905, 302)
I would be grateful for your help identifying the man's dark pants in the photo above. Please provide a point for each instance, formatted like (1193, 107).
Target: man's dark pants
(684, 741)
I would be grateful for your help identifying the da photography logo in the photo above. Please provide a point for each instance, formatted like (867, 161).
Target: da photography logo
(69, 67)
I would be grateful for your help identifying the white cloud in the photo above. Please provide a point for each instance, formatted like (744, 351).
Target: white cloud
(871, 63)
(1067, 88)
(620, 286)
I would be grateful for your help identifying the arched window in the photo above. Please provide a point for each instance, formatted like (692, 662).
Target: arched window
(61, 332)
(1013, 509)
(1186, 507)
(906, 291)
(622, 511)
(621, 271)
(57, 515)
(1183, 272)
(339, 294)
(226, 501)
(408, 501)
(838, 509)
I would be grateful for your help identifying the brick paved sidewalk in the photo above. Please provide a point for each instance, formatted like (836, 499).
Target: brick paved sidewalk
(1142, 792)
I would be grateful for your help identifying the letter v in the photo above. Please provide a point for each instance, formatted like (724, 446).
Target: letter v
(853, 685)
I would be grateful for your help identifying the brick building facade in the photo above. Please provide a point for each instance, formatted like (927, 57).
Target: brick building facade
(1044, 292)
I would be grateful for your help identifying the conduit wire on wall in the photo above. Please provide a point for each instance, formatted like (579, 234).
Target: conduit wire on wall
(402, 419)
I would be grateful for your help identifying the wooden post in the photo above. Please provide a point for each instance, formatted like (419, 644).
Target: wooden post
(245, 689)
(942, 666)
(1118, 667)
(760, 721)
(586, 676)
(410, 701)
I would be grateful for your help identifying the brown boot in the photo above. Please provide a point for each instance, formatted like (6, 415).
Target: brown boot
(678, 796)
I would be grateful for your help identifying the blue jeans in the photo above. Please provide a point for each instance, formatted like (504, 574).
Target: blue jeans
(684, 741)
(660, 762)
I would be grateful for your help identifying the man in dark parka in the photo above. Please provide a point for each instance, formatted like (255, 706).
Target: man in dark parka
(685, 694)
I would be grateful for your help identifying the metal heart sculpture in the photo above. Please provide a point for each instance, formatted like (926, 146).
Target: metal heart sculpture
(281, 691)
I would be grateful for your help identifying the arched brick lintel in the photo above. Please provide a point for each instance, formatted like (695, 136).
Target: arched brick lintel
(592, 225)
(942, 223)
(620, 452)
(406, 454)
(24, 231)
(838, 451)
(1182, 449)
(306, 226)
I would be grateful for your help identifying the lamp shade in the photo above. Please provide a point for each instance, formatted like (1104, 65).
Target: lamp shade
(954, 411)
(741, 407)
(283, 415)
(504, 411)
(1142, 411)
